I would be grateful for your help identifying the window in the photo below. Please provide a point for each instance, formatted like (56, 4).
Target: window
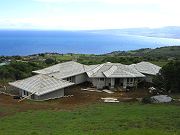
(24, 92)
(69, 79)
(131, 80)
(101, 79)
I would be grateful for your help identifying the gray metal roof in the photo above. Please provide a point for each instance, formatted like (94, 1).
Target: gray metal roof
(113, 70)
(64, 70)
(146, 68)
(41, 84)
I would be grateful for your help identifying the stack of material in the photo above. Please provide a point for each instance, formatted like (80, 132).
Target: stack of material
(108, 91)
(91, 89)
(110, 100)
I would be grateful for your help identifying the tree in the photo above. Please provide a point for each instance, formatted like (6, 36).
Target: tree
(18, 70)
(169, 77)
(50, 61)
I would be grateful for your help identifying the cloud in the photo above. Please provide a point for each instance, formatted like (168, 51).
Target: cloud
(101, 1)
(168, 5)
(115, 1)
(95, 16)
(93, 21)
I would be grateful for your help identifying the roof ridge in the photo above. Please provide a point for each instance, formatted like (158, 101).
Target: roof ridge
(110, 69)
(101, 65)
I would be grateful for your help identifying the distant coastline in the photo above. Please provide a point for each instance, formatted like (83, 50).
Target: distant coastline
(83, 42)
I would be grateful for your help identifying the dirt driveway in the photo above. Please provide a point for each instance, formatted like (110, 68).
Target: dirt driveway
(80, 98)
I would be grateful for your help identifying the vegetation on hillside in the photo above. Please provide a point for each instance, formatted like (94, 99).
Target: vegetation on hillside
(169, 77)
(22, 66)
(17, 70)
(158, 53)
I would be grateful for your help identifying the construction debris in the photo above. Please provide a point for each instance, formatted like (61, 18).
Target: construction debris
(91, 89)
(110, 100)
(66, 96)
(108, 91)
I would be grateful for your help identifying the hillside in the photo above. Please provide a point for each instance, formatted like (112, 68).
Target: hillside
(164, 52)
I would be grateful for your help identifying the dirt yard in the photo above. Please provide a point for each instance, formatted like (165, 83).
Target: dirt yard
(80, 98)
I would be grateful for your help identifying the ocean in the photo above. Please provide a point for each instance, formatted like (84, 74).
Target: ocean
(26, 42)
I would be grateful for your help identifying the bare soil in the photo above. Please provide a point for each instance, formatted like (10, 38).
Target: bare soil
(80, 98)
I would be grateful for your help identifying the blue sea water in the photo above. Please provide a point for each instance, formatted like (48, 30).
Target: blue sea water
(16, 42)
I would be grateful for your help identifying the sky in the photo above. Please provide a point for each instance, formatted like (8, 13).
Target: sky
(88, 14)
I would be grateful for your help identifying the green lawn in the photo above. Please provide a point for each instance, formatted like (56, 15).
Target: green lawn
(103, 119)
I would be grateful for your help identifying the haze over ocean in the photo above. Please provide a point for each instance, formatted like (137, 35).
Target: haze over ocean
(15, 42)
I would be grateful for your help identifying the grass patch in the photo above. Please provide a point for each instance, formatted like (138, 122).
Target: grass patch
(159, 63)
(123, 118)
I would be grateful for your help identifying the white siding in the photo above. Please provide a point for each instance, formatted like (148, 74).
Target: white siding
(24, 93)
(51, 95)
(112, 82)
(108, 81)
(149, 78)
(81, 78)
(99, 83)
(124, 83)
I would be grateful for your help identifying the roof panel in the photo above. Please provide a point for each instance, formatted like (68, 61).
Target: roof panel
(116, 70)
(63, 70)
(41, 84)
(146, 68)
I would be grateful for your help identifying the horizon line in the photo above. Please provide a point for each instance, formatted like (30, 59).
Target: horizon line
(41, 29)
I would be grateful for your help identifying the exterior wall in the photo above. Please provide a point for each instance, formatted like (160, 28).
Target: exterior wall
(80, 78)
(89, 79)
(131, 82)
(124, 83)
(149, 78)
(70, 79)
(20, 92)
(108, 82)
(24, 93)
(111, 82)
(99, 83)
(55, 94)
